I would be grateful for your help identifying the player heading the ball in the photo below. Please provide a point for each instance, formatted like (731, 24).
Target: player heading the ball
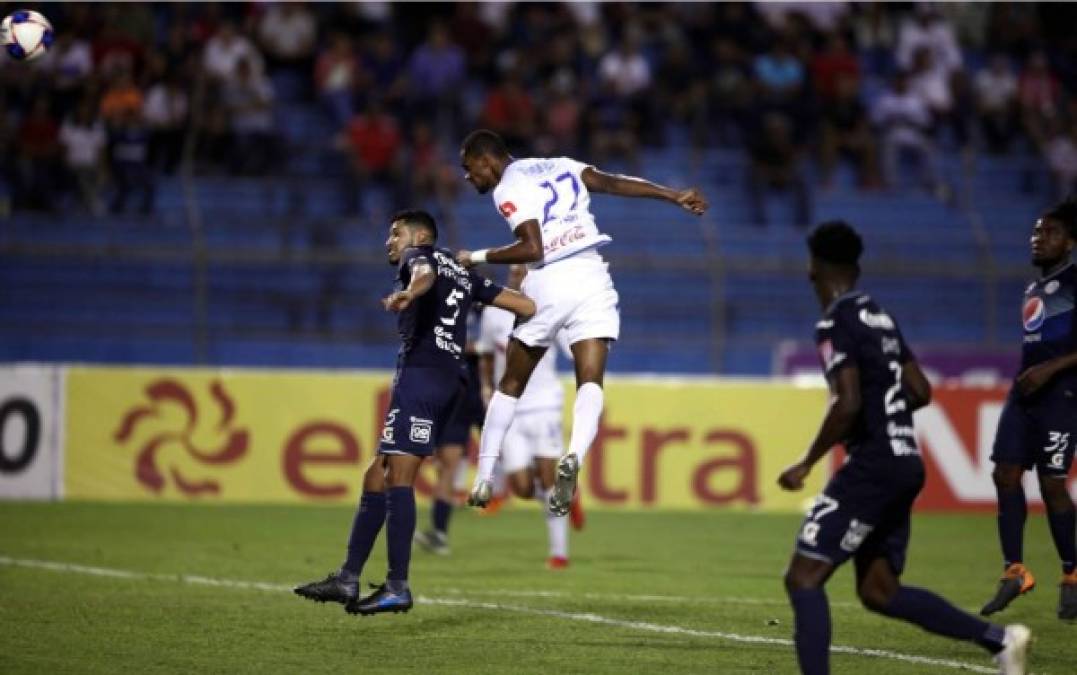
(546, 203)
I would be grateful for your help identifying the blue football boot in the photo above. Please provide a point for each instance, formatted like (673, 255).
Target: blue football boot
(380, 601)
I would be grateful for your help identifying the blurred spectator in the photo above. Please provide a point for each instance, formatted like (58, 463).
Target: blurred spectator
(287, 32)
(386, 69)
(7, 133)
(1061, 155)
(508, 110)
(780, 78)
(1038, 94)
(37, 149)
(122, 97)
(249, 101)
(874, 34)
(730, 91)
(177, 50)
(625, 69)
(70, 61)
(904, 122)
(822, 17)
(626, 74)
(612, 128)
(433, 176)
(225, 50)
(845, 131)
(561, 117)
(337, 77)
(375, 148)
(933, 86)
(83, 138)
(775, 163)
(114, 50)
(471, 31)
(165, 111)
(129, 154)
(996, 103)
(437, 70)
(835, 63)
(682, 92)
(928, 29)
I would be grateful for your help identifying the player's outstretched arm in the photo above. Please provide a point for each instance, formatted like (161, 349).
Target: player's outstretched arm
(422, 279)
(691, 200)
(841, 413)
(914, 383)
(526, 249)
(515, 302)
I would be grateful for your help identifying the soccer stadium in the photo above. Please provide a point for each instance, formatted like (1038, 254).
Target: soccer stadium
(565, 337)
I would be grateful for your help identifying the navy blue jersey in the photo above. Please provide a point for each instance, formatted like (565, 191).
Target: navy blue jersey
(433, 329)
(1049, 319)
(855, 331)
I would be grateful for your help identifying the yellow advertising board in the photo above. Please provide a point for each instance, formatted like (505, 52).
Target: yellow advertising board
(297, 436)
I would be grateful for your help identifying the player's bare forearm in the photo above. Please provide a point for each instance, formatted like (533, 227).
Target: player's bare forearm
(515, 302)
(422, 280)
(631, 186)
(915, 384)
(835, 428)
(1032, 380)
(526, 249)
(516, 253)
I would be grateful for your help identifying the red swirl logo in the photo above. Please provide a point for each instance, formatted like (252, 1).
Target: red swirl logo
(151, 465)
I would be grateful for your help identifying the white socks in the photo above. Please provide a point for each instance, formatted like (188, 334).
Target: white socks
(556, 527)
(585, 416)
(499, 416)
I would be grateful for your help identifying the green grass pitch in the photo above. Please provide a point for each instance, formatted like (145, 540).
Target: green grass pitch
(646, 593)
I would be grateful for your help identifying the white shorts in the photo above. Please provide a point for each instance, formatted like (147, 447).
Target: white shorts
(533, 435)
(574, 295)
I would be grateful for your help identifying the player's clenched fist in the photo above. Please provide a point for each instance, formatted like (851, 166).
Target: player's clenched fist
(692, 200)
(463, 257)
(793, 477)
(397, 302)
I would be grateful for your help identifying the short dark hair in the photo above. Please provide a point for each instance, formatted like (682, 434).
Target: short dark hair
(836, 242)
(484, 142)
(1065, 212)
(417, 218)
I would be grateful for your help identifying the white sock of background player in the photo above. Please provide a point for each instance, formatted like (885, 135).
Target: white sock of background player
(556, 527)
(499, 414)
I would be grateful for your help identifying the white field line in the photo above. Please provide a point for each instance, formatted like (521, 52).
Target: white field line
(623, 597)
(587, 617)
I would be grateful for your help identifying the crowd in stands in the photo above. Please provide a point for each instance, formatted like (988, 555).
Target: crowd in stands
(132, 92)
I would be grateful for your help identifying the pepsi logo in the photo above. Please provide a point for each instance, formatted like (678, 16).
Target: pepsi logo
(1033, 314)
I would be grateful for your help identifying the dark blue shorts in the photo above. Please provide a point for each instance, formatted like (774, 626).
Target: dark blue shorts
(423, 400)
(864, 511)
(1038, 433)
(469, 413)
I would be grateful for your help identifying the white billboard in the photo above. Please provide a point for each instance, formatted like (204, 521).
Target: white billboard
(31, 431)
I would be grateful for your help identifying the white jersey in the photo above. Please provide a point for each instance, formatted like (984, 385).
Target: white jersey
(543, 391)
(552, 192)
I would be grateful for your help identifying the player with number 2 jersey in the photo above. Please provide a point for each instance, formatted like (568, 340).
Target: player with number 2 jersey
(864, 511)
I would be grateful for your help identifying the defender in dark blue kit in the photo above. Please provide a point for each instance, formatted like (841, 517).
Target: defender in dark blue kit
(864, 511)
(432, 296)
(1038, 427)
